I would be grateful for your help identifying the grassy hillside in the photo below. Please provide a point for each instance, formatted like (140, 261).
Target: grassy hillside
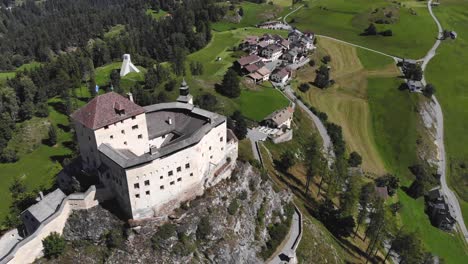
(395, 123)
(39, 163)
(346, 20)
(447, 71)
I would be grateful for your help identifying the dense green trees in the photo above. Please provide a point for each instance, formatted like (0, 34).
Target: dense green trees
(354, 159)
(236, 122)
(230, 86)
(391, 182)
(207, 101)
(54, 245)
(322, 78)
(287, 160)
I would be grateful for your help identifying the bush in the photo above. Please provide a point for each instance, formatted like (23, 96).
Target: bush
(326, 59)
(429, 90)
(185, 246)
(203, 228)
(233, 206)
(354, 159)
(9, 156)
(114, 239)
(54, 245)
(387, 33)
(312, 63)
(304, 87)
(243, 195)
(164, 232)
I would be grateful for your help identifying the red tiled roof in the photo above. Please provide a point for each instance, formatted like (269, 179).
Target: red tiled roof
(106, 109)
(248, 60)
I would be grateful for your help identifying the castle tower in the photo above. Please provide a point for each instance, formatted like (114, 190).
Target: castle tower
(127, 66)
(184, 94)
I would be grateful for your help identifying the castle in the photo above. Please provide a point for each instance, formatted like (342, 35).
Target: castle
(154, 157)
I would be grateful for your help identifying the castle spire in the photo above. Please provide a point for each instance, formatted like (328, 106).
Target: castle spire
(184, 93)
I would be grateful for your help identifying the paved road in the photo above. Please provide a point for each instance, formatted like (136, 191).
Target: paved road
(449, 194)
(327, 144)
(288, 251)
(286, 16)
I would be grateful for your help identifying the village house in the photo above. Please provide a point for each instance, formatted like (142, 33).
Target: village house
(154, 157)
(280, 75)
(280, 118)
(439, 211)
(245, 61)
(272, 52)
(261, 75)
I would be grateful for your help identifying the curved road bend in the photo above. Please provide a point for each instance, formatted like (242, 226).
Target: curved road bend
(327, 144)
(449, 194)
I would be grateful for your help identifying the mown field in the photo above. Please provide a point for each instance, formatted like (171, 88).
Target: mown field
(346, 102)
(447, 71)
(346, 20)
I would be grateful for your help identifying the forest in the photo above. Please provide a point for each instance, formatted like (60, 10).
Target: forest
(70, 49)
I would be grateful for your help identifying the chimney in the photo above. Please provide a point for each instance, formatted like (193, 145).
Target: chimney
(41, 196)
(130, 97)
(169, 121)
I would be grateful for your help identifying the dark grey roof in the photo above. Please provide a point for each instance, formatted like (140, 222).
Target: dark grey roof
(47, 206)
(188, 126)
(184, 98)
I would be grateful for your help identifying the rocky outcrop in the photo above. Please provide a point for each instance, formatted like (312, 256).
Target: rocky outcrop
(228, 224)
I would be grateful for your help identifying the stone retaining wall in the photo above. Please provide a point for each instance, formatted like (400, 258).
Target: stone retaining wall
(30, 248)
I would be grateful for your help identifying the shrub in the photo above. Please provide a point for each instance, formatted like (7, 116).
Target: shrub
(354, 159)
(312, 63)
(387, 33)
(233, 206)
(9, 156)
(185, 246)
(114, 239)
(304, 87)
(165, 232)
(203, 228)
(326, 59)
(54, 245)
(429, 90)
(243, 195)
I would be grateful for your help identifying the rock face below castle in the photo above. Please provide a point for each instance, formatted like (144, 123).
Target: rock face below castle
(235, 234)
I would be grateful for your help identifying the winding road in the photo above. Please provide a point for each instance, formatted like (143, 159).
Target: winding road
(449, 194)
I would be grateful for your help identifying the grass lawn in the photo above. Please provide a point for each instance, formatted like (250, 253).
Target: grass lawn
(39, 166)
(253, 14)
(447, 71)
(156, 14)
(395, 123)
(6, 75)
(346, 20)
(103, 75)
(256, 105)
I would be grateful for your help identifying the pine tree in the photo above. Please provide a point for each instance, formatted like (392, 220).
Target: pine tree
(52, 135)
(230, 86)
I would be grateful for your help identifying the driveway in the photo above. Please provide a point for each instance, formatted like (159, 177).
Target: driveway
(287, 253)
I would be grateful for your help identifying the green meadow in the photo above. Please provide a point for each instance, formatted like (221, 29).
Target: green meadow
(448, 72)
(346, 20)
(394, 124)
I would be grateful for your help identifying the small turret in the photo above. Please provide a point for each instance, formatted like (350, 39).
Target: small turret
(184, 93)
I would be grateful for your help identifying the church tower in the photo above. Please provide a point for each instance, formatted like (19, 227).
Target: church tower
(184, 94)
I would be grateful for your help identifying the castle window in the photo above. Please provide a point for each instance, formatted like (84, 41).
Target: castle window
(211, 156)
(147, 183)
(125, 142)
(187, 165)
(135, 127)
(140, 136)
(111, 137)
(121, 121)
(172, 182)
(221, 139)
(161, 177)
(122, 131)
(179, 169)
(210, 148)
(222, 148)
(179, 179)
(170, 173)
(137, 195)
(106, 127)
(161, 187)
(191, 174)
(147, 192)
(133, 117)
(136, 186)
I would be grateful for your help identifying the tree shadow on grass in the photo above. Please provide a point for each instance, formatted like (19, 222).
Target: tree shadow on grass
(71, 145)
(64, 127)
(60, 158)
(59, 107)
